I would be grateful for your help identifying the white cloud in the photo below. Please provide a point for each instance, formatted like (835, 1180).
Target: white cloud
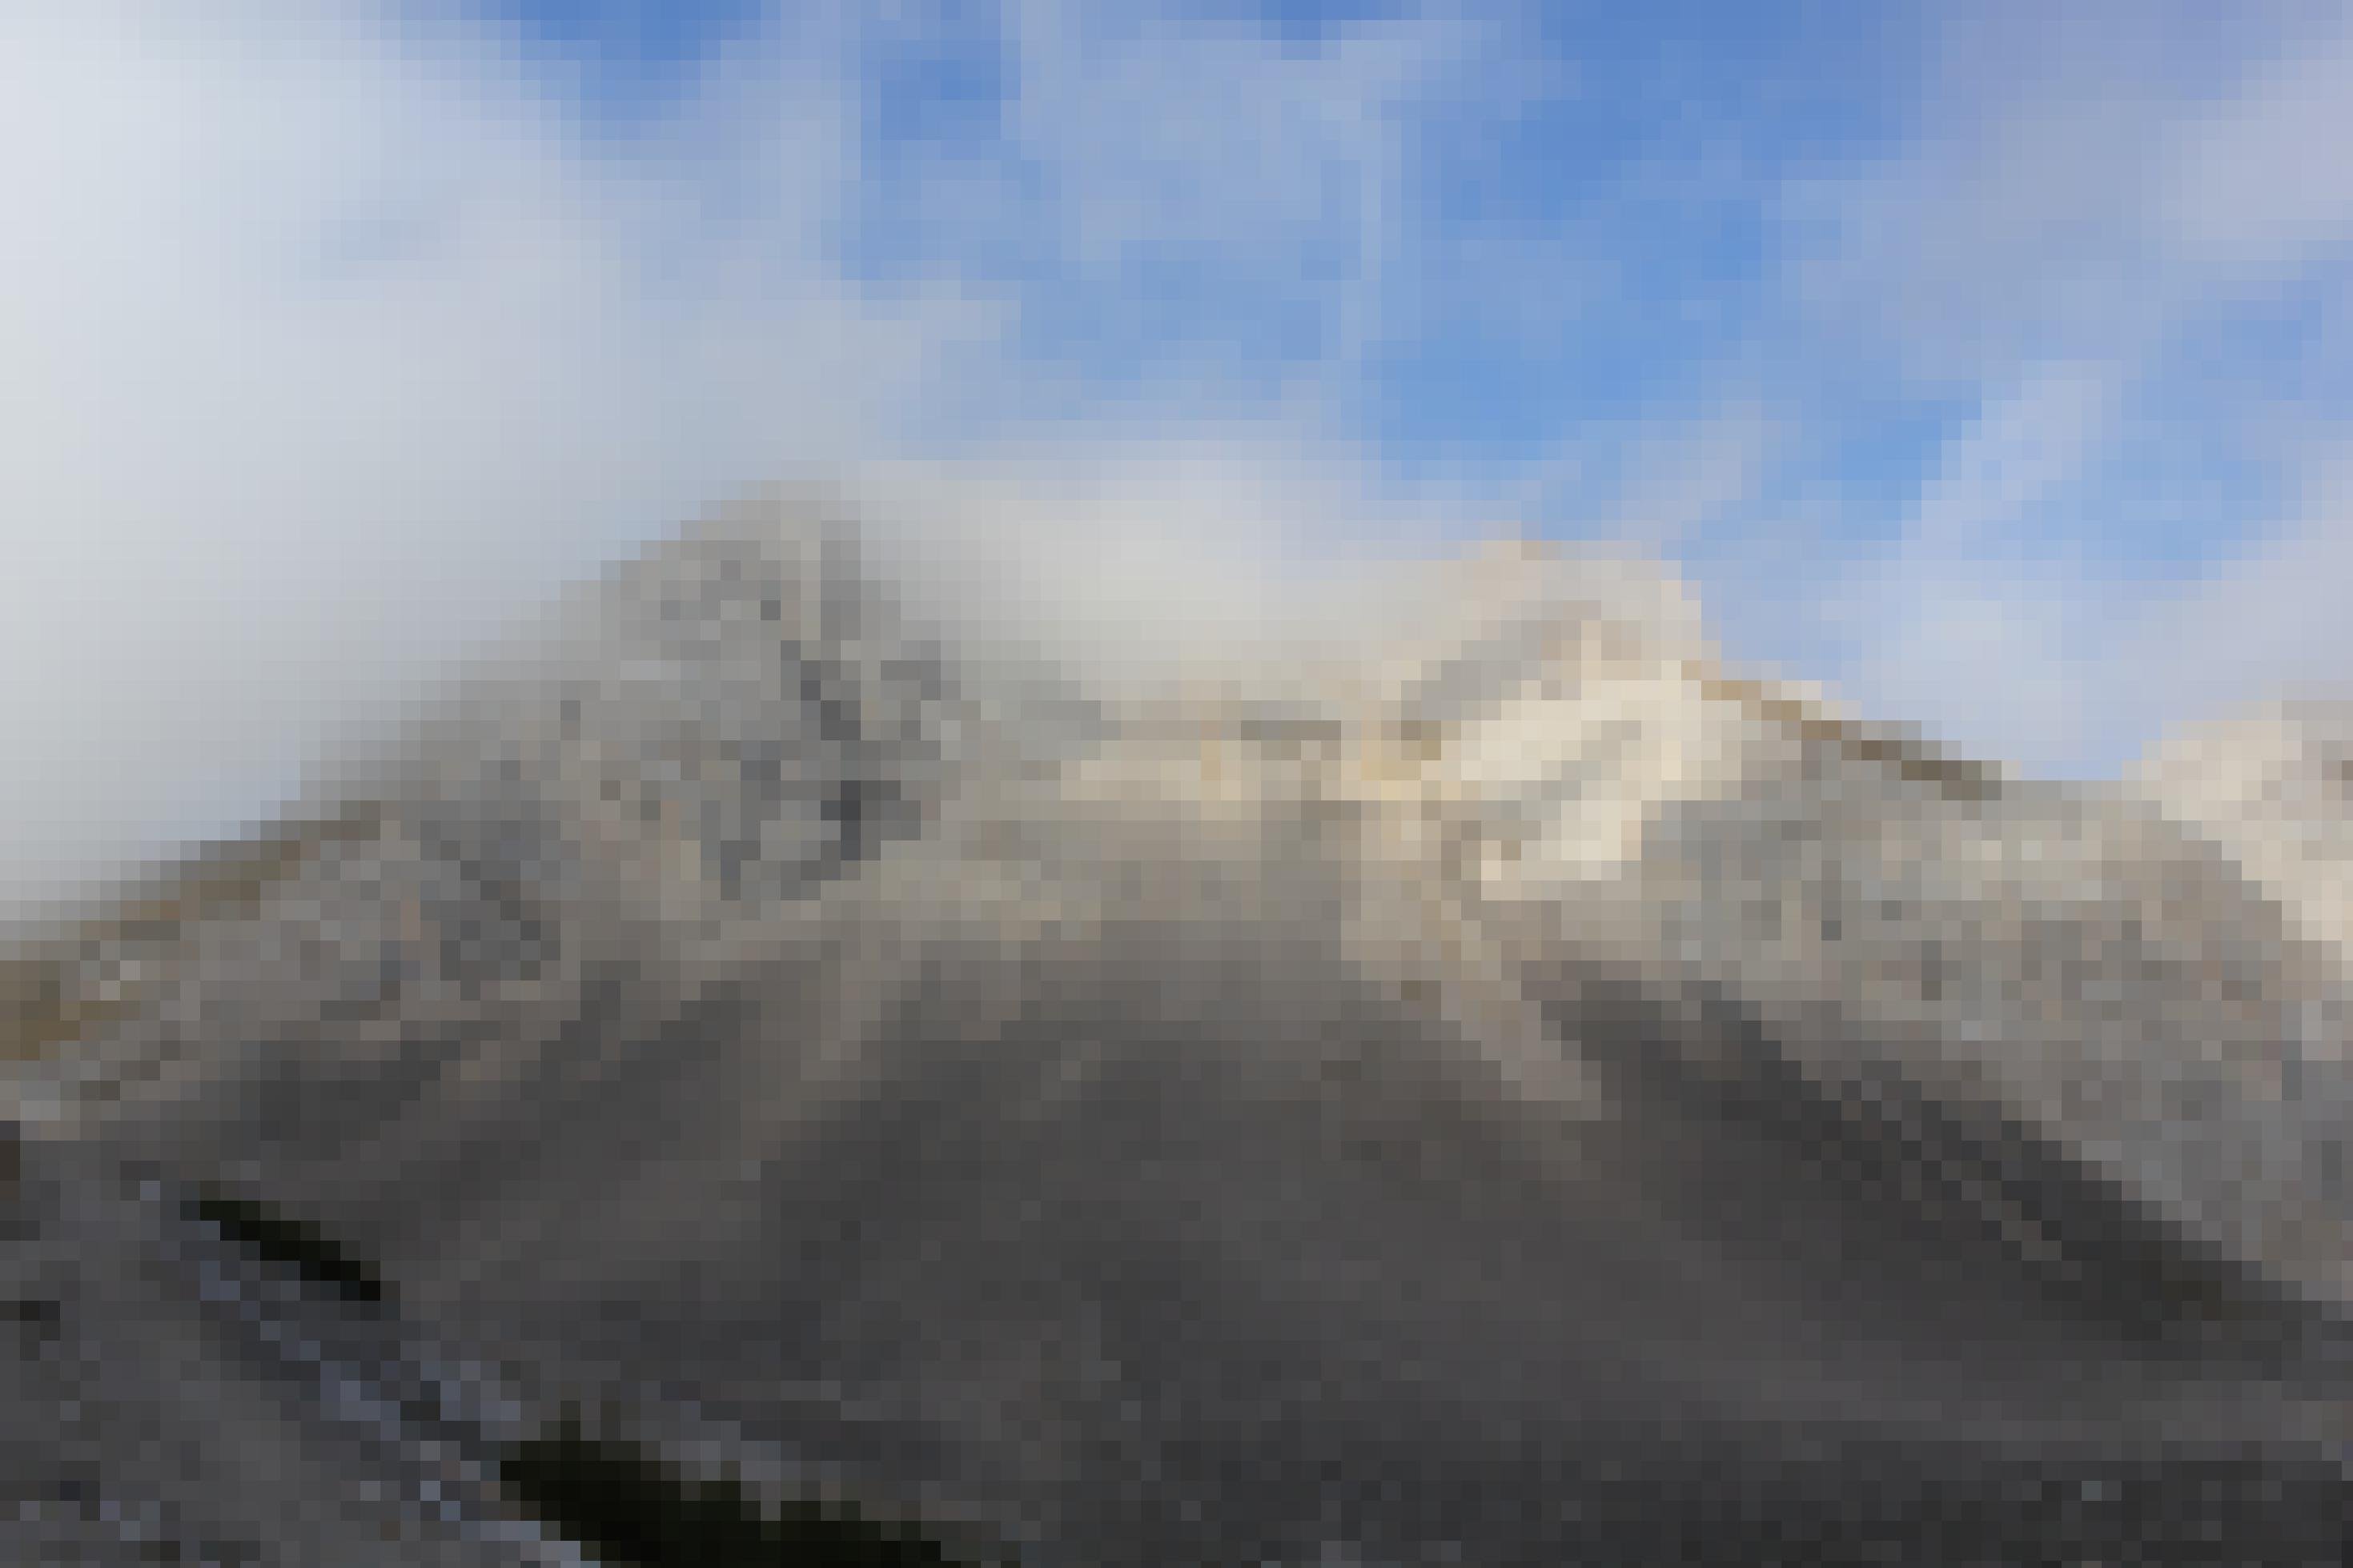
(1968, 623)
(330, 339)
(2081, 196)
(2080, 183)
(2024, 444)
(2254, 192)
(2272, 621)
(328, 346)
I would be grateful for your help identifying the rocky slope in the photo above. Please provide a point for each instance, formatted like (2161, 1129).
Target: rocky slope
(2274, 788)
(1532, 1095)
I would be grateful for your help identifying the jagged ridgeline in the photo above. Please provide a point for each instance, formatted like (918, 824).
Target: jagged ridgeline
(1509, 1088)
(717, 725)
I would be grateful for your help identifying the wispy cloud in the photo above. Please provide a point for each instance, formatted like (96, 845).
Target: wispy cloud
(2085, 244)
(1991, 365)
(334, 336)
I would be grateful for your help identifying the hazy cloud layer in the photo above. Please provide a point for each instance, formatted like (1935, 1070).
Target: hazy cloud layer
(331, 337)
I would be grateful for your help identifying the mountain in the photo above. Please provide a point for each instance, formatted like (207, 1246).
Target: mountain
(2274, 788)
(1509, 1088)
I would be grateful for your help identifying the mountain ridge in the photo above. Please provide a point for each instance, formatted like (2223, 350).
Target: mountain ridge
(1142, 1093)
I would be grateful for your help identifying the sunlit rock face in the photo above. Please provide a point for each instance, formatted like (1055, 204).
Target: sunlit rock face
(1506, 1089)
(2274, 788)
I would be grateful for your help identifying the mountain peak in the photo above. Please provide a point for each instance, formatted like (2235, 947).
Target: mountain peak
(777, 1002)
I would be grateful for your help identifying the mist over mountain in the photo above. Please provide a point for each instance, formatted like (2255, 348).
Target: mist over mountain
(1434, 1066)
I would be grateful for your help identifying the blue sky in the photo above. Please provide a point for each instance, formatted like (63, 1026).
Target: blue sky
(1614, 241)
(1991, 365)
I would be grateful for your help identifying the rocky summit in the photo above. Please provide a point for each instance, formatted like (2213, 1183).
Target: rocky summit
(1508, 1089)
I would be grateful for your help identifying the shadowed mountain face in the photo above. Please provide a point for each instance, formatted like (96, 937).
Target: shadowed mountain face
(1536, 1099)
